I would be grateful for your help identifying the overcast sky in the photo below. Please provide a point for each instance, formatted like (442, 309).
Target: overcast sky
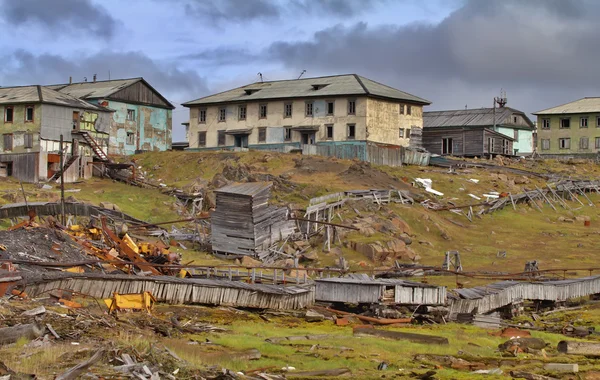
(455, 53)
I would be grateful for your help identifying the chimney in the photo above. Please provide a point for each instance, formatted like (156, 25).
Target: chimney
(70, 80)
(95, 77)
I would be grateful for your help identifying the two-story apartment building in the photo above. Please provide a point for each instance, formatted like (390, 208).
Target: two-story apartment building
(341, 109)
(571, 129)
(478, 132)
(33, 119)
(142, 119)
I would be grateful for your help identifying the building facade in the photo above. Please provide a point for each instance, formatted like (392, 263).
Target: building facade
(571, 129)
(34, 118)
(344, 109)
(142, 119)
(477, 132)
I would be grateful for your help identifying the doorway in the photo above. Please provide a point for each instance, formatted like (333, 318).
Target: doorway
(447, 146)
(240, 141)
(308, 138)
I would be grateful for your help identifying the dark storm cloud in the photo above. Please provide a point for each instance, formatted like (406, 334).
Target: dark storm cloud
(223, 56)
(60, 16)
(177, 85)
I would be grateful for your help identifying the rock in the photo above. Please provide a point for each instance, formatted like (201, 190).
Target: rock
(522, 344)
(561, 219)
(219, 181)
(313, 316)
(239, 173)
(428, 243)
(562, 367)
(249, 262)
(285, 176)
(310, 256)
(405, 238)
(582, 218)
(503, 177)
(522, 180)
(569, 220)
(401, 225)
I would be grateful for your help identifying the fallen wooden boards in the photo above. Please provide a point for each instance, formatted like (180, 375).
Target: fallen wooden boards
(323, 372)
(397, 335)
(579, 348)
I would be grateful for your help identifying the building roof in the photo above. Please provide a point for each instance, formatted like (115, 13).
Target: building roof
(367, 281)
(584, 105)
(101, 89)
(337, 85)
(476, 117)
(250, 188)
(41, 94)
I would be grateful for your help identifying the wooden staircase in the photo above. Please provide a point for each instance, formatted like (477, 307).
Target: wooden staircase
(66, 165)
(98, 152)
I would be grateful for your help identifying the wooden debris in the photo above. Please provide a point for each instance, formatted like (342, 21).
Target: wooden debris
(397, 335)
(579, 348)
(323, 372)
(52, 331)
(33, 312)
(78, 370)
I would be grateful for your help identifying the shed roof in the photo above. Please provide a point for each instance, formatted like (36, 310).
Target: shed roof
(584, 105)
(336, 85)
(476, 117)
(40, 94)
(250, 188)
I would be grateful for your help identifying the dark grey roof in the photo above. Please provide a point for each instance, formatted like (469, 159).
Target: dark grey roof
(250, 188)
(585, 105)
(40, 94)
(477, 117)
(337, 85)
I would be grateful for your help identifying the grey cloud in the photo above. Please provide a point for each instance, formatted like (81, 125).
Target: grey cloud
(60, 16)
(548, 45)
(223, 56)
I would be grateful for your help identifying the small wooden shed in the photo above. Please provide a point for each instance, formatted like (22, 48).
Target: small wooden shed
(378, 291)
(244, 224)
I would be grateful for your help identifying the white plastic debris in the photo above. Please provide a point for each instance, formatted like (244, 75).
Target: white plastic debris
(288, 368)
(493, 196)
(474, 196)
(474, 180)
(426, 182)
(430, 190)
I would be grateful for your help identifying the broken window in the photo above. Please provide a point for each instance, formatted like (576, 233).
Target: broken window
(329, 131)
(330, 107)
(130, 115)
(583, 122)
(401, 133)
(242, 113)
(408, 109)
(262, 111)
(9, 113)
(262, 135)
(130, 140)
(288, 134)
(222, 114)
(407, 133)
(309, 108)
(447, 146)
(351, 107)
(28, 140)
(287, 110)
(8, 141)
(505, 146)
(564, 143)
(351, 131)
(565, 123)
(584, 143)
(491, 142)
(202, 116)
(29, 114)
(220, 138)
(598, 122)
(75, 120)
(597, 143)
(545, 144)
(401, 109)
(515, 119)
(202, 138)
(545, 123)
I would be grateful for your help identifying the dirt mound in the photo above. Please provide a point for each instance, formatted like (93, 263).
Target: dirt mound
(363, 174)
(312, 164)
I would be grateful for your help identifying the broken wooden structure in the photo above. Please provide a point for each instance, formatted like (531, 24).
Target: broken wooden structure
(244, 224)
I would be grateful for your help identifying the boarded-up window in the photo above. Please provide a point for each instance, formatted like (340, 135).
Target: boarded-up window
(202, 115)
(28, 140)
(330, 107)
(309, 108)
(351, 131)
(329, 131)
(242, 113)
(9, 114)
(545, 144)
(351, 107)
(130, 115)
(584, 143)
(29, 114)
(288, 134)
(220, 138)
(262, 135)
(130, 140)
(564, 143)
(201, 138)
(222, 114)
(8, 141)
(262, 114)
(287, 110)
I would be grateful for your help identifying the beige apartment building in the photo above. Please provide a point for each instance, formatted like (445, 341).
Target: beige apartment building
(337, 110)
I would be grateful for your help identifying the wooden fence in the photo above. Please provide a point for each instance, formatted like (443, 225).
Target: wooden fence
(374, 154)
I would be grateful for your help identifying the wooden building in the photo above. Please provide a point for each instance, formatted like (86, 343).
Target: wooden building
(244, 224)
(362, 289)
(477, 132)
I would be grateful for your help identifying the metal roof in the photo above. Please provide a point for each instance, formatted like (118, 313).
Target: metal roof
(477, 117)
(40, 94)
(250, 188)
(378, 281)
(337, 85)
(585, 105)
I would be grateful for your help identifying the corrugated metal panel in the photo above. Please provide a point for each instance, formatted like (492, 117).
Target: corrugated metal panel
(42, 94)
(250, 188)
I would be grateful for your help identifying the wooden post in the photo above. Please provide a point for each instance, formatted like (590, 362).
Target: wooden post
(62, 181)
(546, 198)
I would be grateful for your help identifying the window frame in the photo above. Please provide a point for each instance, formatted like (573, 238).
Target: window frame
(401, 109)
(29, 107)
(351, 107)
(127, 134)
(351, 127)
(566, 139)
(329, 128)
(581, 122)
(221, 138)
(12, 141)
(597, 143)
(544, 120)
(285, 109)
(262, 135)
(408, 109)
(132, 111)
(202, 115)
(547, 141)
(401, 133)
(28, 140)
(262, 106)
(309, 105)
(242, 112)
(332, 103)
(449, 143)
(200, 143)
(568, 120)
(581, 143)
(287, 133)
(12, 108)
(222, 112)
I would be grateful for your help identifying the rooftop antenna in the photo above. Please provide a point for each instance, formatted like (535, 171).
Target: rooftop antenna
(95, 76)
(261, 78)
(465, 106)
(302, 73)
(501, 101)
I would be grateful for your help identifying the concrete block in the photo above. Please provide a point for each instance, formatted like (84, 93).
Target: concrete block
(562, 367)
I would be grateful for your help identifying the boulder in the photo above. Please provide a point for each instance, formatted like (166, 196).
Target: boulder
(310, 256)
(249, 262)
(401, 225)
(522, 180)
(313, 316)
(522, 345)
(405, 238)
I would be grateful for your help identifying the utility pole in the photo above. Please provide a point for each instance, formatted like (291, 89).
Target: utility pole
(62, 181)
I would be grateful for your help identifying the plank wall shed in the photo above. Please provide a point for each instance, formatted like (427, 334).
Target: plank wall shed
(244, 224)
(373, 291)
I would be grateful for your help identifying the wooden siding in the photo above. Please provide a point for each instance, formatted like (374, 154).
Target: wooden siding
(139, 93)
(25, 166)
(465, 141)
(348, 293)
(390, 155)
(407, 295)
(329, 290)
